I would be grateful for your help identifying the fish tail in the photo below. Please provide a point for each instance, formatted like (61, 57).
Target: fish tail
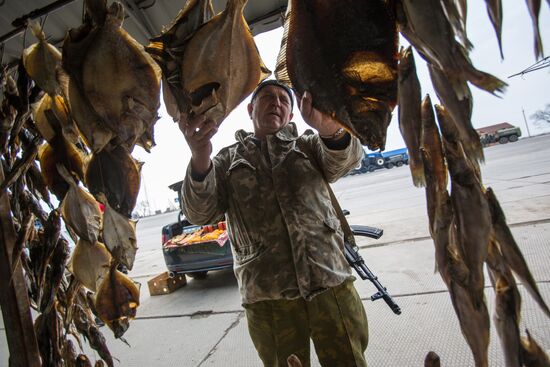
(486, 81)
(417, 171)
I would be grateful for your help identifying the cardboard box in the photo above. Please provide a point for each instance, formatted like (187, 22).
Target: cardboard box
(163, 284)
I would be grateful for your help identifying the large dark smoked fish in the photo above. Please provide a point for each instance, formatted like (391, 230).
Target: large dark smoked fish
(345, 54)
(410, 120)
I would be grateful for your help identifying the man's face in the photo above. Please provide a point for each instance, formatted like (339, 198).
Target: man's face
(270, 111)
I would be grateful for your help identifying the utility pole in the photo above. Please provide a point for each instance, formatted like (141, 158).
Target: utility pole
(526, 124)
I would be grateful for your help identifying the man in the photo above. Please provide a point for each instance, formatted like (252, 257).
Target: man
(286, 237)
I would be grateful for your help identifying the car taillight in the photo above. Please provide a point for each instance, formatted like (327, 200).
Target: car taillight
(164, 239)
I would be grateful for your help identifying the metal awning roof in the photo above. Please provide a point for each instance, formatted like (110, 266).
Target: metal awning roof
(144, 19)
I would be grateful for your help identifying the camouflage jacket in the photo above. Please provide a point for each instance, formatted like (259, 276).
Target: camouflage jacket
(286, 238)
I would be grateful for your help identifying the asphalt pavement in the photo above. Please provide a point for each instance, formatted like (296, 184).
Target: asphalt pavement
(202, 324)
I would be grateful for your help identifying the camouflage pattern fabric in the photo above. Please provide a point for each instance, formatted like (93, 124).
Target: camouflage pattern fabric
(286, 238)
(335, 320)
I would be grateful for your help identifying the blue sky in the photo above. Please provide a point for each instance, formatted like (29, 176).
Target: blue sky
(167, 162)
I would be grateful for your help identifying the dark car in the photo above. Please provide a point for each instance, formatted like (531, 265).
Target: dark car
(195, 259)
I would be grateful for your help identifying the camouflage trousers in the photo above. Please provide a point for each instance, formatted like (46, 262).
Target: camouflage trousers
(335, 320)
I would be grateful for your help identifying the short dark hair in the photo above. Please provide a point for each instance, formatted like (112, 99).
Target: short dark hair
(265, 83)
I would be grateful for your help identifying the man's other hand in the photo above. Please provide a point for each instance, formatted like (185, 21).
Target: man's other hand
(198, 132)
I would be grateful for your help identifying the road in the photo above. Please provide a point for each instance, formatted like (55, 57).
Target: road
(202, 324)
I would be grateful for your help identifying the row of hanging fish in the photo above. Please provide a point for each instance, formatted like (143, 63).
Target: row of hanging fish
(467, 225)
(40, 252)
(345, 53)
(91, 124)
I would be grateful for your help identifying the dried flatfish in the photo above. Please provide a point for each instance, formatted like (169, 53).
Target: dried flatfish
(409, 113)
(41, 61)
(345, 54)
(116, 175)
(459, 109)
(221, 65)
(125, 97)
(116, 301)
(59, 151)
(119, 235)
(168, 48)
(80, 210)
(424, 24)
(90, 263)
(51, 117)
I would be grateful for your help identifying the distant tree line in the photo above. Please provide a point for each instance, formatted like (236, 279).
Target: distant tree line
(542, 115)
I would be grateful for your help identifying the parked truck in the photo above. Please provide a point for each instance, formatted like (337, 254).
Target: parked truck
(377, 160)
(499, 133)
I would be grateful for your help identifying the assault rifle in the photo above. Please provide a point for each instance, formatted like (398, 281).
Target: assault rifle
(356, 261)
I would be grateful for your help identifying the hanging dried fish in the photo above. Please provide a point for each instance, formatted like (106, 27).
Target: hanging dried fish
(511, 251)
(114, 83)
(99, 344)
(83, 361)
(61, 152)
(425, 26)
(90, 263)
(41, 61)
(69, 353)
(345, 54)
(467, 196)
(460, 110)
(221, 65)
(116, 175)
(432, 360)
(532, 353)
(444, 229)
(507, 306)
(454, 11)
(36, 184)
(494, 9)
(80, 210)
(116, 301)
(168, 48)
(410, 121)
(534, 10)
(54, 274)
(119, 234)
(51, 117)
